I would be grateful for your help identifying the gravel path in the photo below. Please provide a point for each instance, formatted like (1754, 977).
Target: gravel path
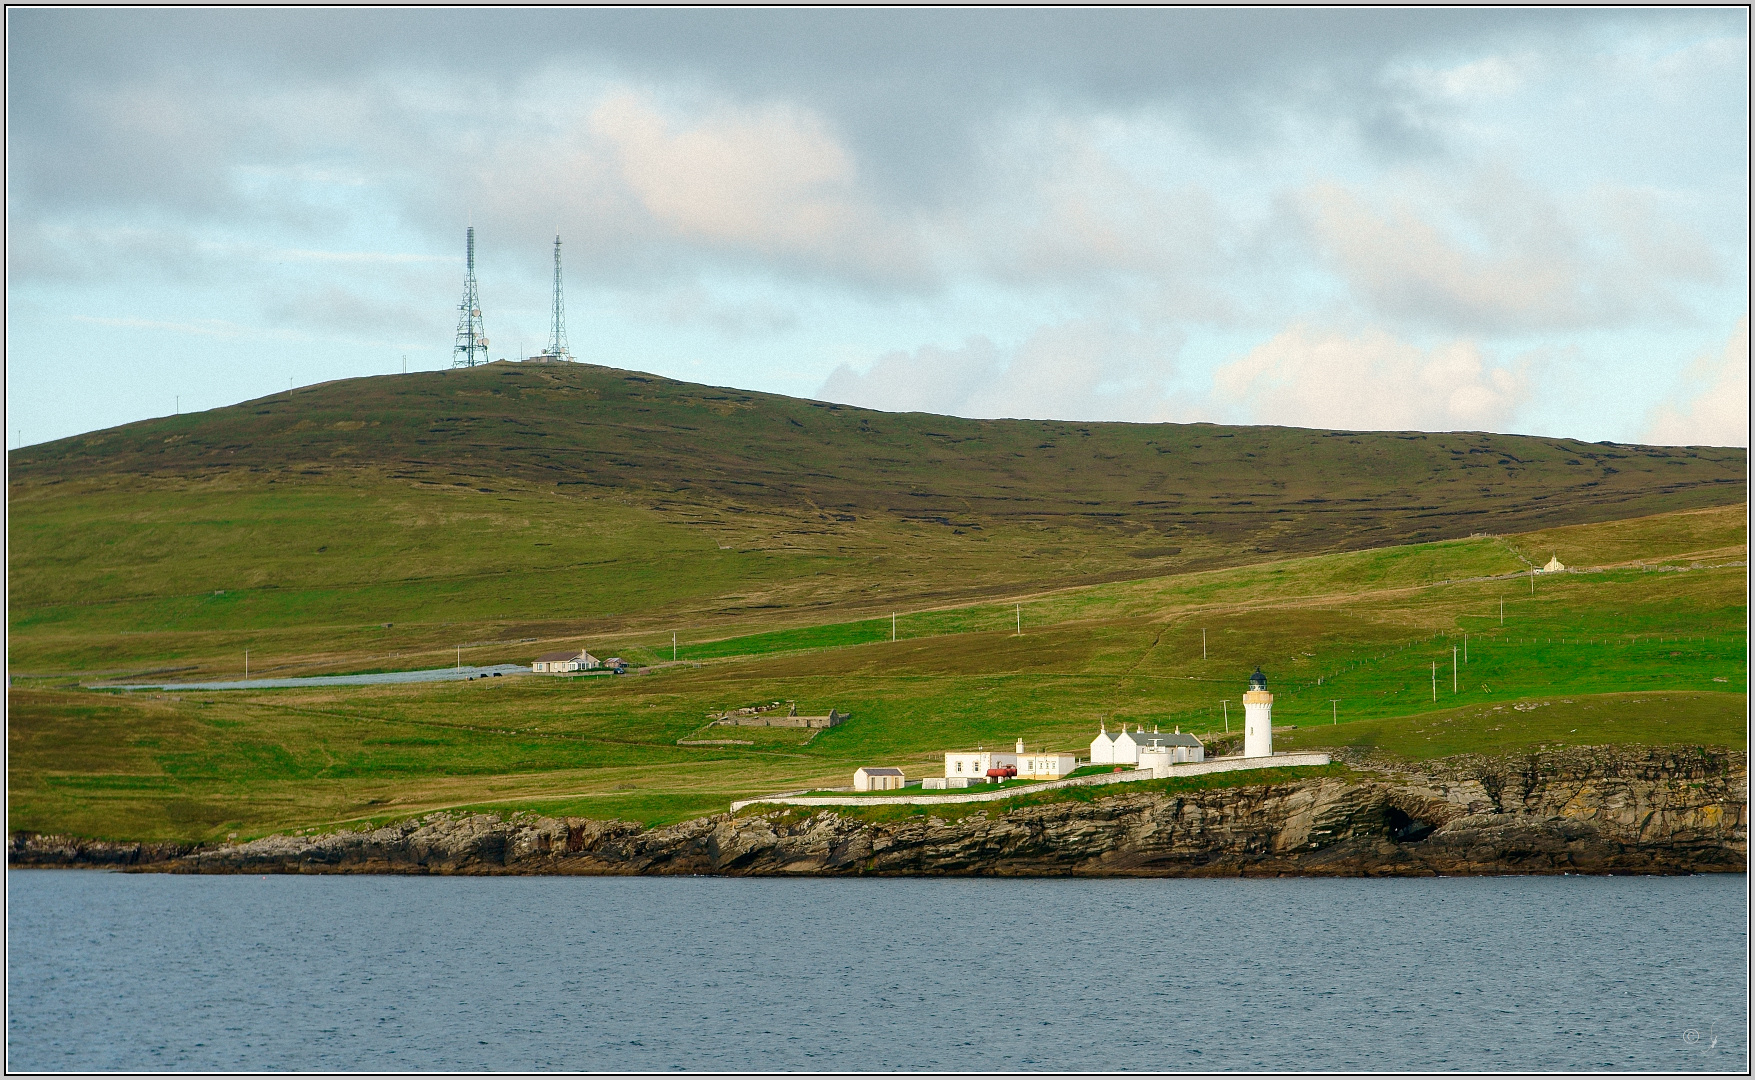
(450, 674)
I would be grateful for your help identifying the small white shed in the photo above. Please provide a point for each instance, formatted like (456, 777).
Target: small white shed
(877, 778)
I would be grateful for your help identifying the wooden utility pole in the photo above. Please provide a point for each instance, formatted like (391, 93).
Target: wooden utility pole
(1453, 669)
(892, 626)
(1434, 680)
(1334, 713)
(1227, 706)
(1203, 643)
(1020, 620)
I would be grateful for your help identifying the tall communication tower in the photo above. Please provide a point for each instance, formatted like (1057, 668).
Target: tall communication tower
(557, 334)
(472, 342)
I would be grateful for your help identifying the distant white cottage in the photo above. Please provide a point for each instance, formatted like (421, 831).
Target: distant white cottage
(557, 663)
(1554, 565)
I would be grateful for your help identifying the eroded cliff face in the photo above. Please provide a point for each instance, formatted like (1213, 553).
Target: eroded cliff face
(1579, 810)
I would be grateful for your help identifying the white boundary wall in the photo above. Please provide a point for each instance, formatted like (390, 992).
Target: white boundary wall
(1195, 768)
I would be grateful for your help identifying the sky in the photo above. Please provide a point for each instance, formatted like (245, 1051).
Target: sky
(1486, 220)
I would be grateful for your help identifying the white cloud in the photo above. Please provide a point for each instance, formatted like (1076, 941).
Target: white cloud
(1371, 381)
(1070, 371)
(1497, 254)
(637, 184)
(1716, 411)
(1064, 207)
(1488, 77)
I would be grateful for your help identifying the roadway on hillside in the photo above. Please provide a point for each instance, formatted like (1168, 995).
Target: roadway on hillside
(449, 674)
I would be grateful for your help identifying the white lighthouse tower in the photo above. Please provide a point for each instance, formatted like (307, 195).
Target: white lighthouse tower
(1258, 718)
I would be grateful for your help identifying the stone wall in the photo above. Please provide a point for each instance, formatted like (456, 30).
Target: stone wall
(1004, 791)
(758, 720)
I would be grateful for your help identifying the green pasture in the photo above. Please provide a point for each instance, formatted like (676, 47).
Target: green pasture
(373, 523)
(1618, 656)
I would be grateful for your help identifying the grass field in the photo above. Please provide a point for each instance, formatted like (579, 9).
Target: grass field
(380, 523)
(1648, 645)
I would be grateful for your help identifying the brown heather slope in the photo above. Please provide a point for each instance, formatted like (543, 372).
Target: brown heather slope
(673, 446)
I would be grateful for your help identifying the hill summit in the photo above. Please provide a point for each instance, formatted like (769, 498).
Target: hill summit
(586, 429)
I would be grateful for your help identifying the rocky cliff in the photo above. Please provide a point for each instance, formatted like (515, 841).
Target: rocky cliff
(1578, 810)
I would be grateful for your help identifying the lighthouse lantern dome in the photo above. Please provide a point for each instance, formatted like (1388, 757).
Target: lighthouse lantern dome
(1258, 681)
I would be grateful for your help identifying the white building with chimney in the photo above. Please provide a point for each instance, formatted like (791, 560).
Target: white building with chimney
(980, 762)
(1103, 746)
(1163, 751)
(1126, 747)
(556, 663)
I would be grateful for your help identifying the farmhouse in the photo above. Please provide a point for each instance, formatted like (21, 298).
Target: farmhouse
(1046, 766)
(1554, 565)
(1000, 764)
(1125, 747)
(557, 663)
(877, 778)
(1166, 750)
(979, 763)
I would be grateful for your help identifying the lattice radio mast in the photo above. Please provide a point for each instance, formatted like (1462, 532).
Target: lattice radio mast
(557, 333)
(472, 342)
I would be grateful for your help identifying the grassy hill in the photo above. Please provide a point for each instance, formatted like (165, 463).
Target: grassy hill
(382, 522)
(1651, 648)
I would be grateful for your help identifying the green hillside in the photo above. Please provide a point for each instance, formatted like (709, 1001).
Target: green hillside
(1652, 650)
(382, 522)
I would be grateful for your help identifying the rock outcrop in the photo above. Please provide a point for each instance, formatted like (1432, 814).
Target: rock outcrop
(1578, 810)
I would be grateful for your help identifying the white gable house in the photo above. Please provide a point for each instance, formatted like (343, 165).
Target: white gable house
(1145, 749)
(1126, 751)
(1103, 746)
(558, 663)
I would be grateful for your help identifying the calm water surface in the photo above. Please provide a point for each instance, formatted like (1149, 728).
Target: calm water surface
(112, 971)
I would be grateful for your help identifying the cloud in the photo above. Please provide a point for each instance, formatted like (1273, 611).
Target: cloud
(1069, 203)
(768, 181)
(1066, 209)
(1371, 381)
(1716, 409)
(1500, 255)
(1488, 77)
(694, 306)
(1069, 371)
(338, 311)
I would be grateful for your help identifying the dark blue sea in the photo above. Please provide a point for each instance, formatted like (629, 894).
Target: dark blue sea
(130, 972)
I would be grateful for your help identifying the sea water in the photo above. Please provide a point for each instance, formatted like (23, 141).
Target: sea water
(131, 972)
